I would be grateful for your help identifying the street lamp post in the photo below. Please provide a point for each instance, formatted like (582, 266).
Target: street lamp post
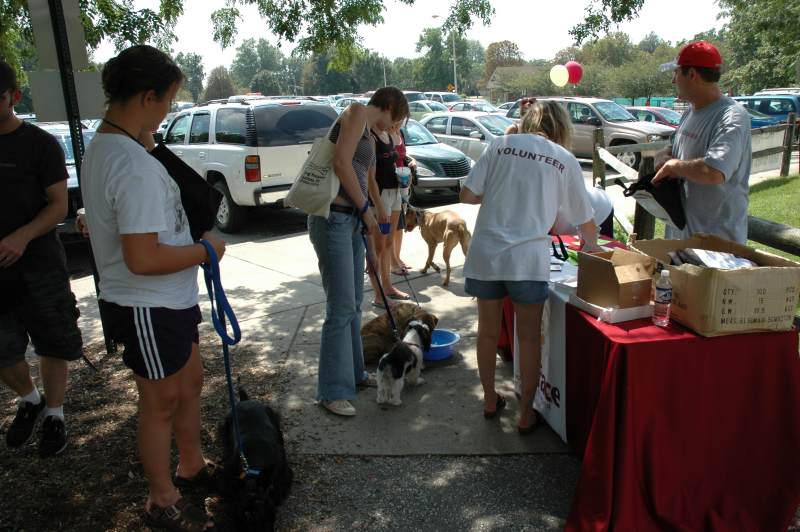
(455, 78)
(383, 59)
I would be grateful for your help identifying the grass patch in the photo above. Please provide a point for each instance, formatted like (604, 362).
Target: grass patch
(776, 200)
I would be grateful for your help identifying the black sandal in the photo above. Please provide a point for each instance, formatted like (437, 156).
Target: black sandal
(498, 406)
(207, 477)
(182, 516)
(530, 429)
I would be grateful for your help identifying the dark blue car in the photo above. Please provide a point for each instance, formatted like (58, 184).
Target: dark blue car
(773, 105)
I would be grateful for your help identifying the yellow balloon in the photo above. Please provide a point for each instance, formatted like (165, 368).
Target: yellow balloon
(559, 75)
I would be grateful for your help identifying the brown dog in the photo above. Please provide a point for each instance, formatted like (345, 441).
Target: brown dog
(442, 227)
(377, 337)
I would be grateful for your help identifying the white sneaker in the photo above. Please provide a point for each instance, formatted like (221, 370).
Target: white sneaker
(340, 407)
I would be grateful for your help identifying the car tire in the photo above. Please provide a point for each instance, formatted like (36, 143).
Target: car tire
(631, 158)
(230, 216)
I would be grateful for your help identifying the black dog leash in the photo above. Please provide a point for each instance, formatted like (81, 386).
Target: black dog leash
(377, 275)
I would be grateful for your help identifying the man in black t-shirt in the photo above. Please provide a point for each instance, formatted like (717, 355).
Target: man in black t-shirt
(36, 302)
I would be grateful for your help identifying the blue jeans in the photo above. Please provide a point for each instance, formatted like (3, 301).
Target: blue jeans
(340, 251)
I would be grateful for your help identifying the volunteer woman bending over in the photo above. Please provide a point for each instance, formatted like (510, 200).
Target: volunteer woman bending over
(521, 182)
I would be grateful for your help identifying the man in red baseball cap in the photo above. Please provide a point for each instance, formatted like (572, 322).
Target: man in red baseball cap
(711, 150)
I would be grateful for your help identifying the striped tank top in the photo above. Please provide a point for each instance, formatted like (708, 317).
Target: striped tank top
(363, 159)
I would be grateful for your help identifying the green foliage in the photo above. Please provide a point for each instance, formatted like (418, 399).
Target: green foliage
(503, 53)
(433, 69)
(320, 26)
(602, 14)
(267, 82)
(763, 41)
(191, 65)
(219, 84)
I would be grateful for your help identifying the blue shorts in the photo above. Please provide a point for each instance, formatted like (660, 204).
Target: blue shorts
(521, 292)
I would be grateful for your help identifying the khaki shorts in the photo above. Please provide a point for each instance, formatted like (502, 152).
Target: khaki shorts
(392, 199)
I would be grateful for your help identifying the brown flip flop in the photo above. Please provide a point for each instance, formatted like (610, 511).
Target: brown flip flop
(498, 406)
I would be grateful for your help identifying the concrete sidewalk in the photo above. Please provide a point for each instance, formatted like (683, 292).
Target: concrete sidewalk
(275, 289)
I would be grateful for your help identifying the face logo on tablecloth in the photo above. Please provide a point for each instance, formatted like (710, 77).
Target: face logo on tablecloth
(550, 392)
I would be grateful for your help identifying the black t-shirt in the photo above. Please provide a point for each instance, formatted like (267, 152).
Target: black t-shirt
(385, 156)
(30, 161)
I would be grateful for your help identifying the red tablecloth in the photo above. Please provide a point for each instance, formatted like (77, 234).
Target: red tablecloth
(681, 432)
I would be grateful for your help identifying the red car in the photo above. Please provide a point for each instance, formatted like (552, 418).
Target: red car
(658, 115)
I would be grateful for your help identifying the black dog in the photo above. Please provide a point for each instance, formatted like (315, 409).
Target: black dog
(254, 497)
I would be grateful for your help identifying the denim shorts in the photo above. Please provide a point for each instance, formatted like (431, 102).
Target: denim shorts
(521, 292)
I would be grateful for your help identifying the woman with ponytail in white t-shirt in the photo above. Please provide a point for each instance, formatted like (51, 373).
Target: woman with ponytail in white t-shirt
(521, 182)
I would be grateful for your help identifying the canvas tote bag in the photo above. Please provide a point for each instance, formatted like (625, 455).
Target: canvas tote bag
(316, 185)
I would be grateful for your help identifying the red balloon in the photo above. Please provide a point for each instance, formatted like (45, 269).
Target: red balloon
(575, 71)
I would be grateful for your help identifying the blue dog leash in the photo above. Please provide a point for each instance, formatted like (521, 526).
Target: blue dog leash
(220, 309)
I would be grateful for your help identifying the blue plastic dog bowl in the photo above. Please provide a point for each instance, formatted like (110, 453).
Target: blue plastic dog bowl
(442, 342)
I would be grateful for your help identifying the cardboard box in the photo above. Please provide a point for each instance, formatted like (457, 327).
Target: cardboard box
(713, 302)
(615, 279)
(612, 315)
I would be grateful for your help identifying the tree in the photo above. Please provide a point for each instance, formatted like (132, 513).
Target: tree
(314, 25)
(503, 53)
(403, 72)
(191, 64)
(602, 14)
(651, 42)
(368, 71)
(640, 77)
(613, 50)
(763, 44)
(319, 76)
(433, 70)
(246, 63)
(267, 82)
(219, 85)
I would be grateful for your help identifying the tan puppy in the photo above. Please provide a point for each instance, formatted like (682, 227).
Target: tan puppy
(442, 227)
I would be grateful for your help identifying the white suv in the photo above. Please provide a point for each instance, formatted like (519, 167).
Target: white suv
(250, 150)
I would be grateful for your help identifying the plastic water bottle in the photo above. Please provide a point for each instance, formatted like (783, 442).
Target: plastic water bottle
(663, 300)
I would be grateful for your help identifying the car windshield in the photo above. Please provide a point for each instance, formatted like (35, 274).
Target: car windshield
(65, 141)
(416, 134)
(614, 112)
(484, 108)
(670, 116)
(496, 125)
(451, 98)
(414, 96)
(436, 106)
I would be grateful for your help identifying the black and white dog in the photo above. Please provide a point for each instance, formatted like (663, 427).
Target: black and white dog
(403, 361)
(254, 498)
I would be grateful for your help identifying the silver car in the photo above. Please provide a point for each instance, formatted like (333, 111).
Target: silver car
(469, 132)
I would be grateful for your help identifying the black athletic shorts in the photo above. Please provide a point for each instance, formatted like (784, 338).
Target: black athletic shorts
(47, 313)
(158, 341)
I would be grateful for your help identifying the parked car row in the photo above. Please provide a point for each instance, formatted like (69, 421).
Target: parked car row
(250, 147)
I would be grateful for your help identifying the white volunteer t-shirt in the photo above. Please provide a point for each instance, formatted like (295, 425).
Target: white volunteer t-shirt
(127, 191)
(524, 180)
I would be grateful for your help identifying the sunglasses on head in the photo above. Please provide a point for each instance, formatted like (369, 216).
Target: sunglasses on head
(527, 101)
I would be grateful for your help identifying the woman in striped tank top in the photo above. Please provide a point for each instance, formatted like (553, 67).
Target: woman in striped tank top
(340, 249)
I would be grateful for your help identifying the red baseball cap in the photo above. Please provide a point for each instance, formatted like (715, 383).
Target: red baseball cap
(696, 54)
